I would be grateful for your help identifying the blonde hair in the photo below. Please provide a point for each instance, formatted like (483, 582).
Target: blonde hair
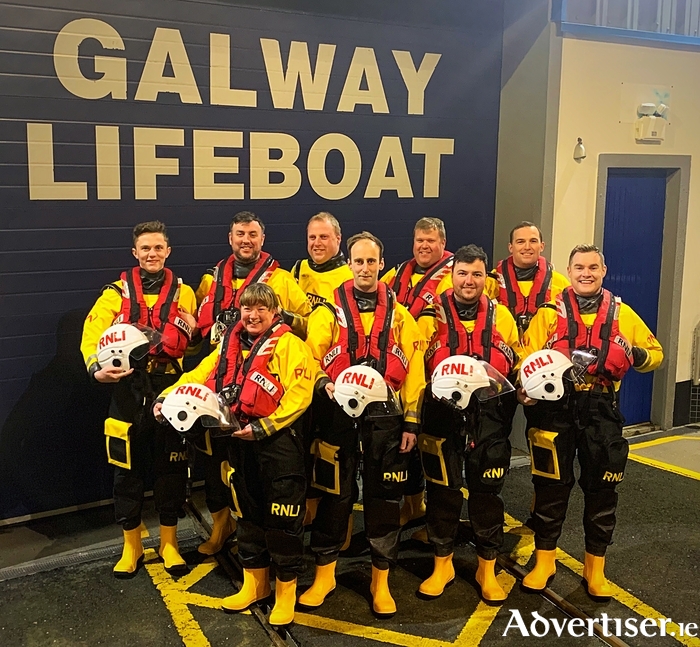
(325, 216)
(259, 294)
(428, 224)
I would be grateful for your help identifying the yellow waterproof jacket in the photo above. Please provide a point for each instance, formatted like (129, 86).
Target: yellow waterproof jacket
(445, 284)
(107, 308)
(290, 295)
(323, 333)
(294, 367)
(492, 288)
(632, 328)
(319, 286)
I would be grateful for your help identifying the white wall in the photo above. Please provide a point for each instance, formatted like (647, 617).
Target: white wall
(600, 85)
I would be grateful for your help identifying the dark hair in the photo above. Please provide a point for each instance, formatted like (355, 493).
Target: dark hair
(470, 254)
(259, 294)
(150, 227)
(365, 235)
(428, 224)
(522, 225)
(244, 217)
(584, 249)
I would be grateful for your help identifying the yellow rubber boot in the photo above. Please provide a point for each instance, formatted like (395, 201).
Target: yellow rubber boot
(311, 510)
(348, 535)
(545, 568)
(491, 591)
(132, 555)
(256, 587)
(324, 584)
(282, 613)
(413, 508)
(382, 602)
(594, 576)
(224, 526)
(170, 552)
(443, 574)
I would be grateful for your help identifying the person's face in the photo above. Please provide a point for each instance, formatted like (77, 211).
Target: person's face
(365, 263)
(428, 247)
(586, 273)
(246, 240)
(526, 247)
(256, 319)
(468, 280)
(150, 251)
(322, 241)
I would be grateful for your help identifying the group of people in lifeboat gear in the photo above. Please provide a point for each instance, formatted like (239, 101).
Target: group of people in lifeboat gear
(284, 347)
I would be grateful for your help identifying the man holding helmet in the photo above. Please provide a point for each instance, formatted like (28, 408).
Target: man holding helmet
(417, 284)
(219, 297)
(266, 375)
(152, 297)
(586, 421)
(368, 344)
(459, 429)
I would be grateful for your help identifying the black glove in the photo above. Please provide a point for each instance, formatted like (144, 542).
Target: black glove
(639, 356)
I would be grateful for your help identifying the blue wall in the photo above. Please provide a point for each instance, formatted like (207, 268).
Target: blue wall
(56, 254)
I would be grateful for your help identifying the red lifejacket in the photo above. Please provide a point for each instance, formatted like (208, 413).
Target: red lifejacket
(510, 295)
(223, 296)
(614, 352)
(256, 391)
(164, 316)
(379, 348)
(484, 342)
(423, 294)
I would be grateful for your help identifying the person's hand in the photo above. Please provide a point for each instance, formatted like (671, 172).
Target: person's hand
(330, 389)
(157, 408)
(523, 399)
(408, 442)
(188, 319)
(244, 434)
(111, 374)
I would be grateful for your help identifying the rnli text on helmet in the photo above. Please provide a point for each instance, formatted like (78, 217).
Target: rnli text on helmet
(112, 338)
(538, 362)
(457, 369)
(194, 391)
(360, 380)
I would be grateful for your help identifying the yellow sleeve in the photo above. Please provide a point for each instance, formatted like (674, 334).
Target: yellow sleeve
(541, 328)
(411, 341)
(559, 282)
(292, 299)
(427, 324)
(187, 300)
(505, 324)
(322, 332)
(204, 287)
(199, 374)
(295, 367)
(637, 333)
(389, 276)
(100, 317)
(445, 284)
(491, 288)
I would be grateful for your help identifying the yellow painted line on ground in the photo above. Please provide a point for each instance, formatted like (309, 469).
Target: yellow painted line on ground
(660, 441)
(667, 467)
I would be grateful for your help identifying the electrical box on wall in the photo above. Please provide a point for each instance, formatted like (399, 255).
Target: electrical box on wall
(650, 128)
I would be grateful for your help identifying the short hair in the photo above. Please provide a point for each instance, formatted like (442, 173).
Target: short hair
(365, 235)
(522, 225)
(470, 254)
(259, 294)
(585, 249)
(244, 217)
(325, 216)
(427, 224)
(150, 227)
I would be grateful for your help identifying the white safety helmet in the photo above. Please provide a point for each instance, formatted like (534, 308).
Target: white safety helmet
(359, 386)
(542, 373)
(456, 378)
(187, 403)
(120, 343)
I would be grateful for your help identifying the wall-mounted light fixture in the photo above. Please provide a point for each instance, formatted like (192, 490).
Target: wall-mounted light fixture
(579, 151)
(650, 125)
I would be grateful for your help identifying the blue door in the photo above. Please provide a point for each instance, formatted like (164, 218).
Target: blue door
(632, 244)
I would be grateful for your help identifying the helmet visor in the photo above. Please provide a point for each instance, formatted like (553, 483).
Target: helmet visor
(153, 344)
(220, 417)
(581, 360)
(498, 384)
(389, 408)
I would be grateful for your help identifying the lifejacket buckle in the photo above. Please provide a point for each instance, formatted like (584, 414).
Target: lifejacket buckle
(230, 394)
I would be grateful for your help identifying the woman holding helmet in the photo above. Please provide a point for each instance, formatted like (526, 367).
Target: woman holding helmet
(266, 375)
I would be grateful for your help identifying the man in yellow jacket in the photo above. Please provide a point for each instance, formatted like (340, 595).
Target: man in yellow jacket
(218, 295)
(525, 280)
(586, 422)
(149, 295)
(417, 283)
(267, 374)
(363, 324)
(464, 321)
